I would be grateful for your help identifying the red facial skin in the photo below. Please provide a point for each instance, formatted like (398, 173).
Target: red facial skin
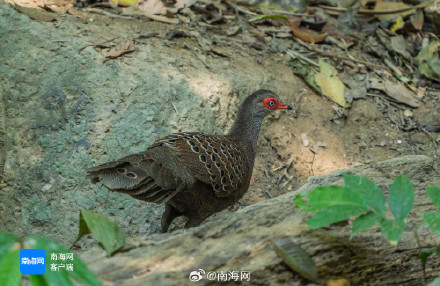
(276, 103)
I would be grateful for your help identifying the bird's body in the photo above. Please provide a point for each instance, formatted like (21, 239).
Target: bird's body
(194, 174)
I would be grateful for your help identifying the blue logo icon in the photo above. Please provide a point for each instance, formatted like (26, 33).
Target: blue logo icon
(32, 261)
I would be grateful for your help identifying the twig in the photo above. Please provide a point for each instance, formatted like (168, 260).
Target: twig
(175, 109)
(294, 54)
(161, 18)
(281, 12)
(379, 12)
(237, 8)
(434, 140)
(333, 55)
(108, 14)
(420, 251)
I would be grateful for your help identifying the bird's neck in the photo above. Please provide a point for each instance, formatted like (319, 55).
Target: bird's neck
(245, 130)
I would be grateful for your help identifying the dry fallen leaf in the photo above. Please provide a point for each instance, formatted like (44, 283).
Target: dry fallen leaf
(387, 5)
(128, 47)
(36, 14)
(395, 91)
(153, 7)
(331, 85)
(305, 34)
(429, 61)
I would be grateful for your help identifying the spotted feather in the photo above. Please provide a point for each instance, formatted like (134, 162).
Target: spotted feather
(213, 159)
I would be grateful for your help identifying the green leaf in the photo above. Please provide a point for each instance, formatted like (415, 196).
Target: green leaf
(299, 202)
(37, 280)
(296, 258)
(263, 17)
(401, 197)
(10, 268)
(369, 190)
(6, 241)
(80, 271)
(333, 214)
(325, 196)
(392, 229)
(423, 256)
(364, 222)
(437, 252)
(434, 194)
(432, 219)
(103, 229)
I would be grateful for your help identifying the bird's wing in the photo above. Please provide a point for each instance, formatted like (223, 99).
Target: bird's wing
(155, 175)
(212, 159)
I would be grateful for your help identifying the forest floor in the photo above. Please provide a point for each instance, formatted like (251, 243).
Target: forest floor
(322, 136)
(390, 108)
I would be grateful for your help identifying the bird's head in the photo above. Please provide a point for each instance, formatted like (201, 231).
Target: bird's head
(264, 101)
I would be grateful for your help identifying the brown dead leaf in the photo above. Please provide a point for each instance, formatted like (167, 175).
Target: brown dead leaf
(128, 47)
(79, 14)
(395, 91)
(157, 7)
(305, 34)
(36, 14)
(180, 4)
(390, 6)
(153, 7)
(56, 8)
(415, 23)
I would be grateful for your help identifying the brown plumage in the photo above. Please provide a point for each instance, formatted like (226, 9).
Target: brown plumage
(194, 174)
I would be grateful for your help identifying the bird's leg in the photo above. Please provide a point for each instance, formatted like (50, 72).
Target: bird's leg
(194, 220)
(168, 216)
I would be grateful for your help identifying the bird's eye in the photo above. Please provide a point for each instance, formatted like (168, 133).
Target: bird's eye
(270, 102)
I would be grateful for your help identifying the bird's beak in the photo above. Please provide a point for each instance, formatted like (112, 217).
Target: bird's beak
(284, 106)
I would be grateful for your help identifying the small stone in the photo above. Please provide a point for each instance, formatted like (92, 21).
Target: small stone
(408, 113)
(304, 139)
